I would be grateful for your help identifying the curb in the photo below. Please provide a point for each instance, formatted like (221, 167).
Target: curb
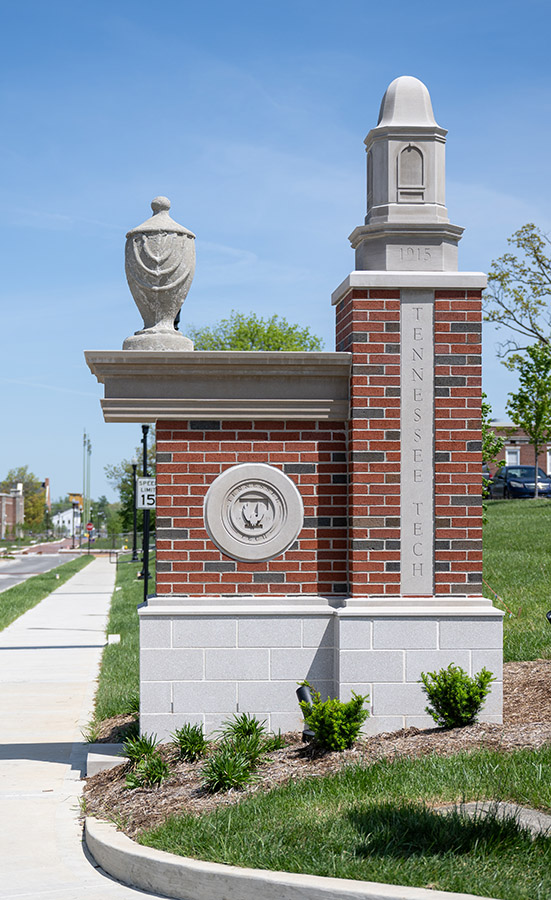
(181, 878)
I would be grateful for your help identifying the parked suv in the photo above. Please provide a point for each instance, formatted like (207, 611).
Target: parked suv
(519, 481)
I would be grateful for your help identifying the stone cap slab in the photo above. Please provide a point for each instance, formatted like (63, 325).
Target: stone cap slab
(439, 281)
(144, 386)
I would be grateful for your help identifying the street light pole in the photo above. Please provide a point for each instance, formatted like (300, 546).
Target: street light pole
(74, 507)
(135, 534)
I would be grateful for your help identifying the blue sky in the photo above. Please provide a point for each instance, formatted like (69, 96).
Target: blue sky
(251, 118)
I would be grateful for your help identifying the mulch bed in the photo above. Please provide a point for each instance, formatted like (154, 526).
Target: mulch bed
(527, 724)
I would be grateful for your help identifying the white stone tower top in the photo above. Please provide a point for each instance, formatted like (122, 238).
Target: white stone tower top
(407, 102)
(407, 225)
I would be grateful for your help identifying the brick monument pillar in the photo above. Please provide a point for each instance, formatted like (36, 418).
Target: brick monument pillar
(318, 514)
(412, 322)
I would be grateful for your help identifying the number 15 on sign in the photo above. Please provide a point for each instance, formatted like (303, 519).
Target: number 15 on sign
(145, 493)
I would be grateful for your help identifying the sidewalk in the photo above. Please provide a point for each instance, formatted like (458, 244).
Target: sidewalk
(49, 661)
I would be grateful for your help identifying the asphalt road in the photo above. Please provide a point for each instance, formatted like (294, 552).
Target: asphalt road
(14, 571)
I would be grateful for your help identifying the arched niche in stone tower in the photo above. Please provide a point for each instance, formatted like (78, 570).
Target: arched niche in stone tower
(411, 175)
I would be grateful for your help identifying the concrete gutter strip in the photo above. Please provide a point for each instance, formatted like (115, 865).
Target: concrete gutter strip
(182, 878)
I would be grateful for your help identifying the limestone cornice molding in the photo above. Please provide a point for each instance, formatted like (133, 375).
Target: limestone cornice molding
(405, 230)
(145, 386)
(406, 133)
(440, 281)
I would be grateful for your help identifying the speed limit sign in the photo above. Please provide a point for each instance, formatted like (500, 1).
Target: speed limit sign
(145, 493)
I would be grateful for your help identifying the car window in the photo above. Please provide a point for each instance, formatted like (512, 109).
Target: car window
(522, 472)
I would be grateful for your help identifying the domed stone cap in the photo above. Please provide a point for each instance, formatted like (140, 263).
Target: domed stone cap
(406, 102)
(160, 220)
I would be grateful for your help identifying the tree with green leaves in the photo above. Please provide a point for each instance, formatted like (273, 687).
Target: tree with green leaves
(33, 493)
(519, 293)
(530, 406)
(492, 444)
(251, 332)
(120, 477)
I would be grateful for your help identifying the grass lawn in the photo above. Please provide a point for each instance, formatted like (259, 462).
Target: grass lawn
(119, 682)
(517, 566)
(22, 597)
(369, 824)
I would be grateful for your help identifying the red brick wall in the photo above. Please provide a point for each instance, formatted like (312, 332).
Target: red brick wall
(368, 325)
(457, 444)
(190, 455)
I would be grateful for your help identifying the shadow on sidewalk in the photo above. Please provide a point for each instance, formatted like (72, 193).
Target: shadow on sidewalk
(67, 753)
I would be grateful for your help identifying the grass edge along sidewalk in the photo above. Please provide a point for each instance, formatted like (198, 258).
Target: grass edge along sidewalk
(119, 680)
(22, 597)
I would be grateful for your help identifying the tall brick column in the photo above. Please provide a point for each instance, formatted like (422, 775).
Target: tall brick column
(412, 323)
(368, 326)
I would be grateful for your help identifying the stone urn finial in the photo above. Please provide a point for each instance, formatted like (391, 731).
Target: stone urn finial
(160, 265)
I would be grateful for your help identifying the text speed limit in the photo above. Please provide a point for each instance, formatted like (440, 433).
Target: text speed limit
(145, 493)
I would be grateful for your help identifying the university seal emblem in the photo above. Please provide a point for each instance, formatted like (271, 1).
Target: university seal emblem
(253, 512)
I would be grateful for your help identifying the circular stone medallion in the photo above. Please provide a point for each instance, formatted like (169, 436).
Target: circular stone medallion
(253, 512)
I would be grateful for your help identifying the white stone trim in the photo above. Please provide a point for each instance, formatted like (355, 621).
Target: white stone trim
(456, 281)
(149, 385)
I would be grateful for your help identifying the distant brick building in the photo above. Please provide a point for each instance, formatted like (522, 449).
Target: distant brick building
(517, 449)
(12, 512)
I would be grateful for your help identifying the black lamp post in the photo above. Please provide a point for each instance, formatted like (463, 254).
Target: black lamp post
(145, 567)
(135, 534)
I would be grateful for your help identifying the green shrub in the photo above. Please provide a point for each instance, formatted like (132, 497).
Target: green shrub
(455, 698)
(136, 748)
(227, 768)
(335, 724)
(191, 741)
(148, 771)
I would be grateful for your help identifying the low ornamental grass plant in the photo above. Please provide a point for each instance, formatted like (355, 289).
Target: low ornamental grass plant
(455, 699)
(148, 772)
(227, 767)
(191, 742)
(148, 766)
(136, 748)
(244, 743)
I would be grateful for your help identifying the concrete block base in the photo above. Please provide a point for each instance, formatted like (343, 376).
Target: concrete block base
(203, 661)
